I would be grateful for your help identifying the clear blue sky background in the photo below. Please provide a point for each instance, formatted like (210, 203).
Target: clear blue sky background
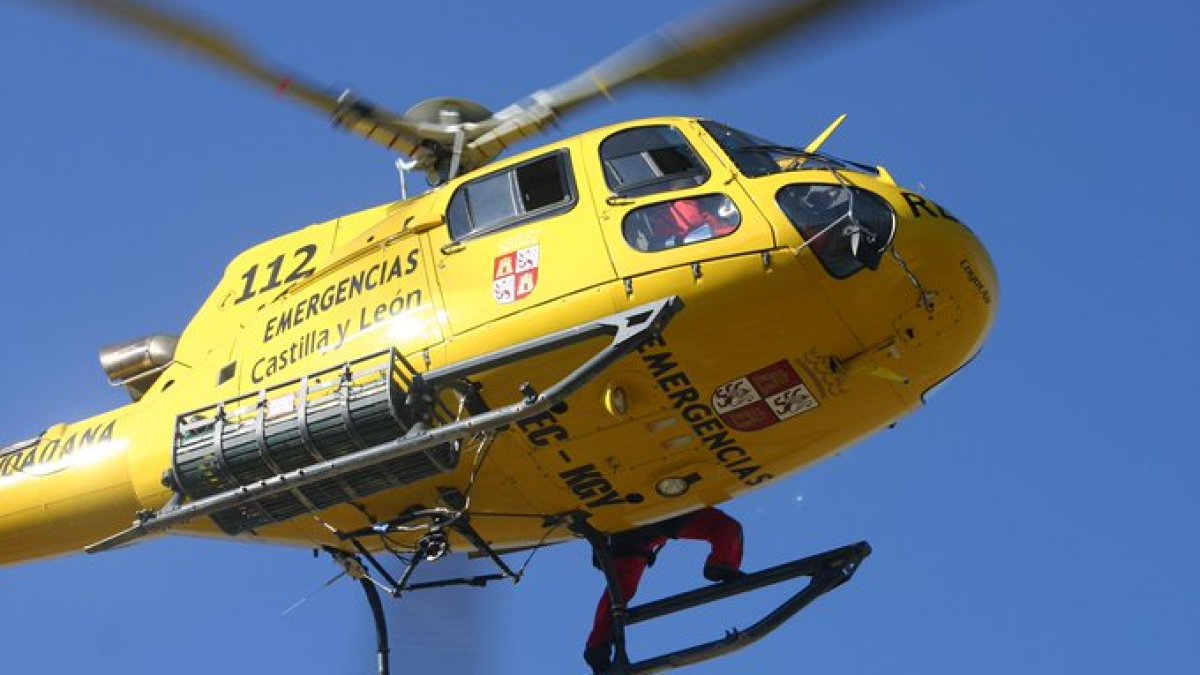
(1039, 516)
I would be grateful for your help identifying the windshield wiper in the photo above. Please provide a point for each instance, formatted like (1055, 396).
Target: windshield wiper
(786, 149)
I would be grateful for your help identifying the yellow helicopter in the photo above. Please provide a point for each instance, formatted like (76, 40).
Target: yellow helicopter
(582, 338)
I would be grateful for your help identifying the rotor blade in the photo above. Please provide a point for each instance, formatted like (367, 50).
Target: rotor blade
(210, 45)
(680, 53)
(698, 47)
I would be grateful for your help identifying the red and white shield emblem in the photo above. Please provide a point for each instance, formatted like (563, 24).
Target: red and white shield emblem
(515, 275)
(765, 397)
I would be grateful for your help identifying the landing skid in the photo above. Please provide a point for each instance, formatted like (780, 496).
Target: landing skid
(826, 571)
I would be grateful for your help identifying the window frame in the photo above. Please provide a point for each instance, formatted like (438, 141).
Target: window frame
(566, 167)
(634, 190)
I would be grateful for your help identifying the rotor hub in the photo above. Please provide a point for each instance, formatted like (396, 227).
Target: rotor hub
(447, 112)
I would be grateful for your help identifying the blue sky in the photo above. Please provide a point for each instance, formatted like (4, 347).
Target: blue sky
(1039, 516)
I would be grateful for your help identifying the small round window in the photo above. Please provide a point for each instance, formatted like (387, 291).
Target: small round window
(680, 222)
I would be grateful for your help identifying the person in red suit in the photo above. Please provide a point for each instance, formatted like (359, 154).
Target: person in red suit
(674, 221)
(682, 221)
(633, 551)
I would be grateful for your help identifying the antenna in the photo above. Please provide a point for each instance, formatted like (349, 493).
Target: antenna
(404, 168)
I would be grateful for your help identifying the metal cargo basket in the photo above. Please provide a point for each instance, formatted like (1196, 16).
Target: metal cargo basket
(328, 414)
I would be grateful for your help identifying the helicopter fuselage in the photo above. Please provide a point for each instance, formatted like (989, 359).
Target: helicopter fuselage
(801, 334)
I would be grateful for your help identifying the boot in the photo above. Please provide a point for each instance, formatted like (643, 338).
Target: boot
(599, 658)
(722, 573)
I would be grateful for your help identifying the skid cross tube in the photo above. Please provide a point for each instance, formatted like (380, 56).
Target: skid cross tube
(628, 329)
(827, 571)
(461, 524)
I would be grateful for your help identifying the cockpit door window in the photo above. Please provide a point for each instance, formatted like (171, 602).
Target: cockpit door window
(680, 222)
(520, 235)
(647, 160)
(535, 189)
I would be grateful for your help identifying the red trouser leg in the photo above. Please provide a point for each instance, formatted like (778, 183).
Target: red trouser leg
(628, 571)
(723, 533)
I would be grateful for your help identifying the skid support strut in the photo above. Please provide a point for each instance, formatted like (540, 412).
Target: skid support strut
(381, 631)
(353, 568)
(826, 571)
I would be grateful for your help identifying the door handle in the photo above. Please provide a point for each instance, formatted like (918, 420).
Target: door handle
(453, 247)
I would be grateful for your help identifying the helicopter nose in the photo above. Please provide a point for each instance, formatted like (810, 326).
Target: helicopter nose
(953, 281)
(913, 284)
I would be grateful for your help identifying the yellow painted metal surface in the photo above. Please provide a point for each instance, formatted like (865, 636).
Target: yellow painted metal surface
(859, 352)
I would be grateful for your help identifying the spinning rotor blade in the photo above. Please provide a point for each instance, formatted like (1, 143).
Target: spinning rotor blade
(680, 53)
(447, 137)
(211, 45)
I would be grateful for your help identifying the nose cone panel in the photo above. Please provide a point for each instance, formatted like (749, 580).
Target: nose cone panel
(956, 290)
(928, 304)
(949, 264)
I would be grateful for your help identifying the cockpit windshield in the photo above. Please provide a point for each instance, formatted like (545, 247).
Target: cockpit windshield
(756, 157)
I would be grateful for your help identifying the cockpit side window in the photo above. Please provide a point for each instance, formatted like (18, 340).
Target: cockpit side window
(536, 189)
(647, 160)
(680, 222)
